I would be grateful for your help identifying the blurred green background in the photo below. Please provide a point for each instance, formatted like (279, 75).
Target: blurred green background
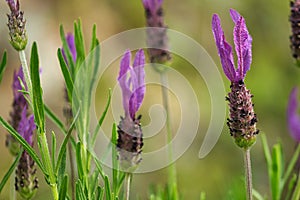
(271, 78)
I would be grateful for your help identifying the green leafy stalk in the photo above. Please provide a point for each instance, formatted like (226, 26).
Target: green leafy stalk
(3, 65)
(248, 174)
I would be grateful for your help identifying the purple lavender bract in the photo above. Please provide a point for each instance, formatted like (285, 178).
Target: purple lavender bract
(130, 136)
(293, 118)
(71, 44)
(243, 45)
(242, 119)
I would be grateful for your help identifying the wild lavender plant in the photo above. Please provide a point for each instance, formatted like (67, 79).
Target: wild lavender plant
(130, 135)
(161, 58)
(242, 119)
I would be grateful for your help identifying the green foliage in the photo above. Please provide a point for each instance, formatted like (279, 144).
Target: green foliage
(3, 65)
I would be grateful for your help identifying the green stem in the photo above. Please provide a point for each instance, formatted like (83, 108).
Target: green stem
(248, 173)
(172, 179)
(127, 185)
(47, 162)
(296, 195)
(25, 69)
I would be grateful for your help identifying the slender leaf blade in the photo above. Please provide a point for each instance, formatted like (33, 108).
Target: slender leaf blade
(3, 65)
(38, 105)
(10, 171)
(64, 188)
(107, 188)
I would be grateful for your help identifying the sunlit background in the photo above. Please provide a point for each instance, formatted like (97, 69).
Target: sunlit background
(271, 78)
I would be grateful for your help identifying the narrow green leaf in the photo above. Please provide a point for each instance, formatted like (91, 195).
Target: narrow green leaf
(23, 142)
(291, 186)
(95, 41)
(38, 105)
(79, 191)
(291, 164)
(79, 42)
(99, 124)
(100, 193)
(63, 147)
(98, 166)
(107, 188)
(63, 188)
(277, 166)
(266, 150)
(53, 149)
(115, 168)
(94, 179)
(66, 74)
(10, 170)
(79, 160)
(3, 65)
(296, 194)
(67, 52)
(257, 195)
(62, 166)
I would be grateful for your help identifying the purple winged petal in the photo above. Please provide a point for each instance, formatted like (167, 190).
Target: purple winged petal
(292, 115)
(243, 44)
(138, 83)
(224, 49)
(152, 5)
(124, 82)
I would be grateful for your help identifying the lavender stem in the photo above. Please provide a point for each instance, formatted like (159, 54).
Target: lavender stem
(248, 173)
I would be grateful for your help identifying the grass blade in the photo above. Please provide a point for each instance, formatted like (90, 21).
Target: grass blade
(63, 188)
(107, 188)
(53, 149)
(3, 65)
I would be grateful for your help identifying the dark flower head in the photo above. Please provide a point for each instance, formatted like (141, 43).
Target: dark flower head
(16, 25)
(293, 118)
(71, 44)
(157, 38)
(132, 82)
(130, 136)
(295, 37)
(243, 45)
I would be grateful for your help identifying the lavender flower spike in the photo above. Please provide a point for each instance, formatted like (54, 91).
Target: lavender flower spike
(243, 45)
(71, 44)
(19, 103)
(242, 119)
(16, 26)
(130, 136)
(26, 182)
(293, 118)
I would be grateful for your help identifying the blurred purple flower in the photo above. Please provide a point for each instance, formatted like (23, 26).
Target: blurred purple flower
(26, 126)
(242, 42)
(19, 103)
(293, 118)
(130, 135)
(132, 82)
(71, 44)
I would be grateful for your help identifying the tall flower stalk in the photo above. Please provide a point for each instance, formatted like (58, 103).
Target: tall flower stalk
(160, 57)
(242, 119)
(130, 135)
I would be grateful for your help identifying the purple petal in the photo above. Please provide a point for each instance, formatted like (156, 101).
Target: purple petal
(292, 115)
(243, 44)
(124, 82)
(224, 49)
(152, 5)
(138, 83)
(26, 126)
(71, 43)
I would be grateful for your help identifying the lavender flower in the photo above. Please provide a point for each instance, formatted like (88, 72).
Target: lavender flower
(130, 136)
(16, 25)
(242, 120)
(294, 38)
(157, 37)
(19, 103)
(293, 118)
(26, 182)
